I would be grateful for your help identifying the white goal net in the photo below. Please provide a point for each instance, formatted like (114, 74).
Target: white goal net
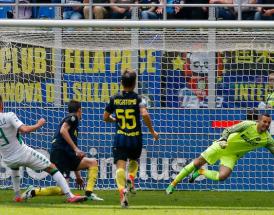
(197, 78)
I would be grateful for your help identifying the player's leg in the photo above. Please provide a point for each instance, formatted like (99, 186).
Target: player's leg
(69, 161)
(121, 174)
(120, 158)
(121, 182)
(15, 178)
(210, 156)
(223, 173)
(134, 154)
(14, 162)
(132, 172)
(227, 164)
(92, 166)
(62, 183)
(38, 161)
(188, 169)
(32, 191)
(48, 191)
(64, 164)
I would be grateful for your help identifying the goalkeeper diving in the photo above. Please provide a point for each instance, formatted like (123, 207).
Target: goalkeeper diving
(234, 143)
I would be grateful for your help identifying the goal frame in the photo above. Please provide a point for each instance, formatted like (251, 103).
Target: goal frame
(136, 24)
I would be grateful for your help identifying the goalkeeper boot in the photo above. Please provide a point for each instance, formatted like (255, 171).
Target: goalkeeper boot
(130, 186)
(123, 198)
(194, 175)
(170, 189)
(92, 196)
(29, 193)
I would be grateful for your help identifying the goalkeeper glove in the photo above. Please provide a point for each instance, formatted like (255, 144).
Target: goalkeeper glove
(222, 143)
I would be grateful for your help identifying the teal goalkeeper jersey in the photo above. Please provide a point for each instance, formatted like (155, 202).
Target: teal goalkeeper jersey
(244, 137)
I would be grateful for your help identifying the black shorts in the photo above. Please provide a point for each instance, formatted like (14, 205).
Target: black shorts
(126, 153)
(64, 161)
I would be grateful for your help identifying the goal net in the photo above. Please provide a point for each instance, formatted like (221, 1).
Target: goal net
(197, 79)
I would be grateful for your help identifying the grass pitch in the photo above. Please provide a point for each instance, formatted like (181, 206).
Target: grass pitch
(146, 202)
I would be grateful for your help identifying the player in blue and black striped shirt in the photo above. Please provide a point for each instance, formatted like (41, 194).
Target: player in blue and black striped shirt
(125, 109)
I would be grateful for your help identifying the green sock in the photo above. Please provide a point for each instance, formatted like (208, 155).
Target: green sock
(183, 173)
(210, 174)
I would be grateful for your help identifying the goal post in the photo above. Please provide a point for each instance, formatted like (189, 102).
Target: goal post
(197, 77)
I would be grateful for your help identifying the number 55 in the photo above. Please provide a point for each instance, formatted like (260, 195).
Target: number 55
(127, 117)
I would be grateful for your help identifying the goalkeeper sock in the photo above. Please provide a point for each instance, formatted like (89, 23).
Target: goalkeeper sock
(61, 182)
(15, 177)
(132, 169)
(48, 191)
(210, 174)
(92, 177)
(183, 173)
(120, 178)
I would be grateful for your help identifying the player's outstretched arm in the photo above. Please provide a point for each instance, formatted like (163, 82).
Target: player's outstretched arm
(235, 128)
(148, 123)
(64, 131)
(31, 128)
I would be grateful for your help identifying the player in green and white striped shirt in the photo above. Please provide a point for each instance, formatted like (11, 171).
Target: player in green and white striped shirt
(235, 142)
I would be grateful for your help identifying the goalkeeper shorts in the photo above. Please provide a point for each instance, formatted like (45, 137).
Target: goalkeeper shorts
(214, 153)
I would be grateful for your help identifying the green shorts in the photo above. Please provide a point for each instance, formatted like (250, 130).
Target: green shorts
(214, 153)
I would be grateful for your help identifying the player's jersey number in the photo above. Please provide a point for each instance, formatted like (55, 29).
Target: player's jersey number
(3, 137)
(127, 117)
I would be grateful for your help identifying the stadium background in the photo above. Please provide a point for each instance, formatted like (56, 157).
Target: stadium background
(184, 133)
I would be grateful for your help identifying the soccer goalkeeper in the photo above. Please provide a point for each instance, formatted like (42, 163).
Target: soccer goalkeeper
(234, 143)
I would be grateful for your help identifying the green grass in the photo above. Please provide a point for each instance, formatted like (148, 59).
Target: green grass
(147, 202)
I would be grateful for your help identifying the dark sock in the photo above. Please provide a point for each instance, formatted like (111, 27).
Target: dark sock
(88, 193)
(33, 193)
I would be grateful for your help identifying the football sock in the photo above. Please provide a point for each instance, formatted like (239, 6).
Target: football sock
(132, 169)
(210, 174)
(120, 178)
(15, 177)
(61, 182)
(183, 173)
(92, 177)
(48, 191)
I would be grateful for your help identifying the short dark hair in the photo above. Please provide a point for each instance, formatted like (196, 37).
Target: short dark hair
(73, 106)
(128, 78)
(252, 114)
(264, 114)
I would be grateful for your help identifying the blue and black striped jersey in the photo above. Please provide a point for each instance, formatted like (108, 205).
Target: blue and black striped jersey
(58, 141)
(126, 107)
